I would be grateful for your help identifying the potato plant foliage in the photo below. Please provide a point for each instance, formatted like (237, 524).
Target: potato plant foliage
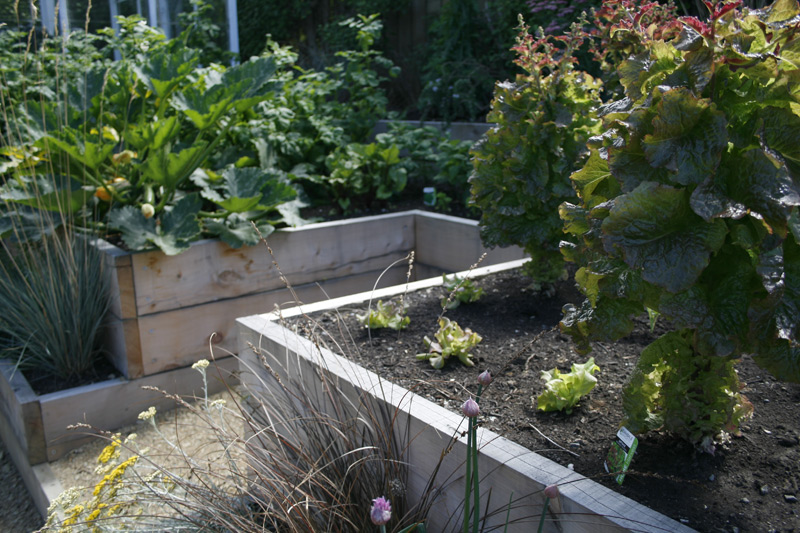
(688, 207)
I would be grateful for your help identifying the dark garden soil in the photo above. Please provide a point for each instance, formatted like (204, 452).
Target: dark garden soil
(750, 484)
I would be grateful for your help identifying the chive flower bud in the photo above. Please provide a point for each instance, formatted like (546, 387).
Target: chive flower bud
(551, 491)
(381, 511)
(470, 408)
(485, 378)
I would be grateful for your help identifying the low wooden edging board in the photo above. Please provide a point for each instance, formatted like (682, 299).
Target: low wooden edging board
(34, 427)
(505, 467)
(166, 308)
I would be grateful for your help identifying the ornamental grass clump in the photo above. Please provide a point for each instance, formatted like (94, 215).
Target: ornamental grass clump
(287, 461)
(54, 296)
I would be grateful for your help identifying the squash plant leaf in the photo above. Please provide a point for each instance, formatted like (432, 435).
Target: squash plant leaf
(170, 168)
(237, 230)
(178, 227)
(251, 82)
(204, 107)
(152, 135)
(243, 189)
(165, 68)
(653, 229)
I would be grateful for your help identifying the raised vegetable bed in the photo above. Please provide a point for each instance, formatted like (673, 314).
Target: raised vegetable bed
(506, 467)
(166, 307)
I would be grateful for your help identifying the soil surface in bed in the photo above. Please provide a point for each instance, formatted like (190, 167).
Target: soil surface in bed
(750, 484)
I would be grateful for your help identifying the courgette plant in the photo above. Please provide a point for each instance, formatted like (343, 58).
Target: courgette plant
(126, 146)
(689, 208)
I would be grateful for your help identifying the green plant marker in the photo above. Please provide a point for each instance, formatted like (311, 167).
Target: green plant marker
(429, 196)
(621, 454)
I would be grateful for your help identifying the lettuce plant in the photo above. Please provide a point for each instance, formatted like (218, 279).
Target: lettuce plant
(451, 341)
(522, 166)
(460, 290)
(689, 208)
(386, 315)
(564, 390)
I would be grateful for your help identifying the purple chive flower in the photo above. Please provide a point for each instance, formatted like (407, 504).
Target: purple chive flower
(551, 491)
(470, 408)
(381, 511)
(485, 378)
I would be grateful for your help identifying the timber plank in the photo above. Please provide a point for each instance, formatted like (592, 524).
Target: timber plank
(210, 270)
(20, 413)
(124, 348)
(118, 266)
(453, 244)
(178, 338)
(115, 403)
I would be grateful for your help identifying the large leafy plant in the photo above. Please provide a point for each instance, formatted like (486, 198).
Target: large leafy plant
(316, 130)
(522, 166)
(121, 144)
(689, 209)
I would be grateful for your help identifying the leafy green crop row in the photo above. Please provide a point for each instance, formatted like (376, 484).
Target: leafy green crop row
(163, 147)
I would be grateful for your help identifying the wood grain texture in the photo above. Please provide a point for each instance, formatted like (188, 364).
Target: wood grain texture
(179, 338)
(510, 470)
(118, 265)
(453, 244)
(20, 419)
(179, 301)
(210, 270)
(110, 405)
(124, 347)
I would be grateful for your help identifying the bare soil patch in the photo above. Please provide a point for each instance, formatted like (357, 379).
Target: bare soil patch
(750, 484)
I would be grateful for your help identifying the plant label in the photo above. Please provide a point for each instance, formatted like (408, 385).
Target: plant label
(621, 454)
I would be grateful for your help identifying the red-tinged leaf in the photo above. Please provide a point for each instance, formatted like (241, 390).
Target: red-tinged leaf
(721, 9)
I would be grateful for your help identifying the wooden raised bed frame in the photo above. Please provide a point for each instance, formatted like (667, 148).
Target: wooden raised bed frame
(165, 308)
(505, 467)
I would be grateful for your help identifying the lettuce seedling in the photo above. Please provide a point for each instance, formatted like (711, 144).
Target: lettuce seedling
(451, 340)
(386, 315)
(459, 290)
(563, 391)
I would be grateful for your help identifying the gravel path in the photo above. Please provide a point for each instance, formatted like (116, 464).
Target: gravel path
(17, 511)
